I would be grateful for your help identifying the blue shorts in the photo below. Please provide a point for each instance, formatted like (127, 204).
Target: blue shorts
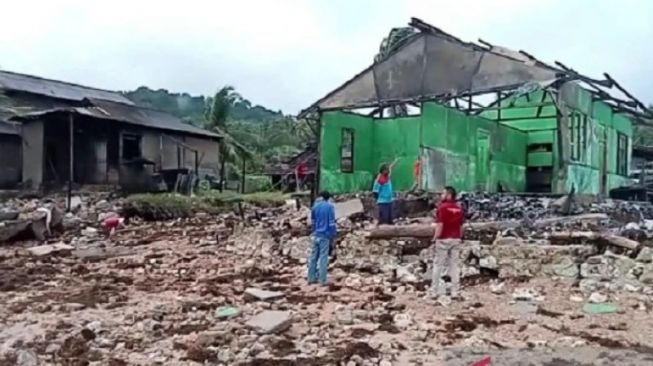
(385, 213)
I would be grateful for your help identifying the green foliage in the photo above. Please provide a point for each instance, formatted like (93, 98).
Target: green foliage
(163, 206)
(268, 135)
(193, 108)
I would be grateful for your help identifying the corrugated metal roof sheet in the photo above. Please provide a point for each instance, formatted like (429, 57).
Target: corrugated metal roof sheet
(9, 128)
(145, 117)
(56, 89)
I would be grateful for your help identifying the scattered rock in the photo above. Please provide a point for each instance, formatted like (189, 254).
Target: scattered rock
(270, 321)
(263, 295)
(26, 358)
(402, 321)
(488, 262)
(90, 232)
(598, 298)
(50, 249)
(497, 288)
(524, 294)
(645, 255)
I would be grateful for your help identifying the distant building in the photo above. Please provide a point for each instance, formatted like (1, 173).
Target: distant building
(113, 141)
(480, 117)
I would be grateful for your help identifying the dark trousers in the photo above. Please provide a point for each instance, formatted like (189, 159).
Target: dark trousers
(385, 213)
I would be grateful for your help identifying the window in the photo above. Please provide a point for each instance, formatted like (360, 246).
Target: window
(578, 137)
(622, 154)
(131, 147)
(347, 151)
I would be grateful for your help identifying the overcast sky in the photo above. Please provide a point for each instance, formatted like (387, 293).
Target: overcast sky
(285, 54)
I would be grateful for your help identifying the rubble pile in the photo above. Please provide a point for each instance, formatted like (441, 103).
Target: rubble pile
(230, 289)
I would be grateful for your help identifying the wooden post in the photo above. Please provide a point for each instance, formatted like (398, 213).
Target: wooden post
(71, 143)
(197, 165)
(242, 177)
(316, 182)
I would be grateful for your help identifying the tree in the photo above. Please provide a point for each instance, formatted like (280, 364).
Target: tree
(217, 116)
(395, 39)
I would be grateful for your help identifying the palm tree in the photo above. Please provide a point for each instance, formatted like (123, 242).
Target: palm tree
(217, 115)
(395, 39)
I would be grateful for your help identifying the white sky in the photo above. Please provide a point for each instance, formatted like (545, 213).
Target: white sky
(285, 54)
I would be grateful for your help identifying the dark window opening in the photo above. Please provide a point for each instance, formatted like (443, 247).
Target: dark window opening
(622, 154)
(131, 147)
(578, 137)
(541, 147)
(347, 151)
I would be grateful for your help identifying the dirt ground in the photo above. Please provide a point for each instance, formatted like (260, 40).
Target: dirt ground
(148, 297)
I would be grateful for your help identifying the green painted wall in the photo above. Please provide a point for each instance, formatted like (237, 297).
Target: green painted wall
(331, 176)
(448, 140)
(447, 131)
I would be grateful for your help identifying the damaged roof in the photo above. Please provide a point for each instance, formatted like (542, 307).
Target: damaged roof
(433, 64)
(131, 114)
(56, 89)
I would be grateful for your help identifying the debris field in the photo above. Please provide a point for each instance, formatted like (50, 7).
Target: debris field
(230, 289)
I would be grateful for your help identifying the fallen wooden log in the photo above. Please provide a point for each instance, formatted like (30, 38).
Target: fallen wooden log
(428, 230)
(620, 241)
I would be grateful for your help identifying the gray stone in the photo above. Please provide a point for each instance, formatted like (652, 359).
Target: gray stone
(565, 267)
(596, 269)
(525, 307)
(263, 294)
(645, 255)
(622, 265)
(598, 298)
(524, 294)
(402, 321)
(404, 275)
(497, 288)
(27, 358)
(647, 275)
(345, 317)
(589, 285)
(49, 249)
(488, 262)
(90, 232)
(75, 203)
(270, 321)
(507, 240)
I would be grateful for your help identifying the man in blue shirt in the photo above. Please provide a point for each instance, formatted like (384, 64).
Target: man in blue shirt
(384, 194)
(323, 218)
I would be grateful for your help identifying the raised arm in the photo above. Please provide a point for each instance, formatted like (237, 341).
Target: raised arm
(392, 165)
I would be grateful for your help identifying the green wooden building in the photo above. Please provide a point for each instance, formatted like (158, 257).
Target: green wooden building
(479, 118)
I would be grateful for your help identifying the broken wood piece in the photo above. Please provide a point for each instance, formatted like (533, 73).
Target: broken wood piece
(573, 235)
(620, 241)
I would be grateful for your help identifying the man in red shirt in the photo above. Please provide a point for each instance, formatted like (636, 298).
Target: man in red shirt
(449, 220)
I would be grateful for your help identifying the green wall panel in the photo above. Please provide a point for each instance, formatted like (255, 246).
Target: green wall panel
(331, 176)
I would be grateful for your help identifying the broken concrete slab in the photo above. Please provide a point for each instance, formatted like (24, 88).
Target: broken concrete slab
(270, 321)
(263, 295)
(75, 203)
(49, 249)
(348, 208)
